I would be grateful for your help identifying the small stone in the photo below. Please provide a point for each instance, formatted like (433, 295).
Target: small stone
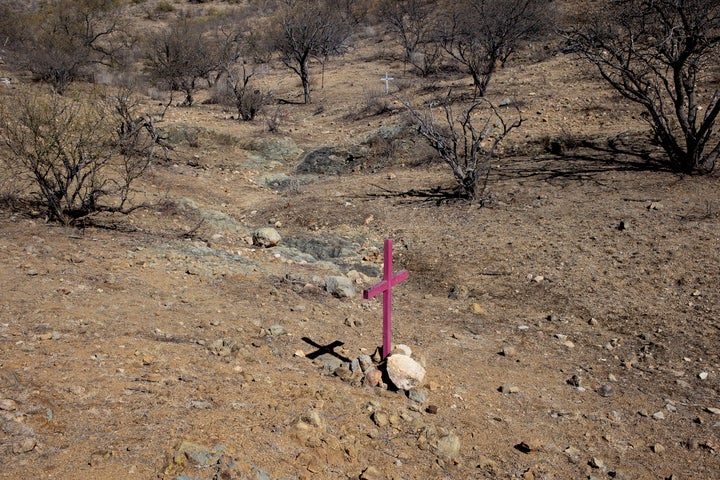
(596, 463)
(448, 446)
(299, 353)
(574, 381)
(477, 309)
(569, 344)
(713, 410)
(538, 279)
(8, 405)
(605, 391)
(703, 375)
(355, 365)
(381, 419)
(24, 446)
(509, 351)
(432, 409)
(371, 473)
(344, 373)
(373, 378)
(417, 396)
(658, 448)
(365, 362)
(275, 330)
(341, 287)
(401, 349)
(404, 372)
(623, 225)
(658, 416)
(612, 377)
(507, 388)
(459, 292)
(528, 446)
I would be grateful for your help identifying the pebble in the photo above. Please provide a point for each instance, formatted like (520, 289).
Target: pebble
(507, 388)
(371, 473)
(658, 416)
(24, 446)
(341, 287)
(373, 378)
(713, 410)
(365, 361)
(528, 446)
(509, 351)
(380, 419)
(596, 463)
(448, 446)
(606, 391)
(658, 448)
(703, 375)
(8, 404)
(266, 237)
(275, 330)
(417, 396)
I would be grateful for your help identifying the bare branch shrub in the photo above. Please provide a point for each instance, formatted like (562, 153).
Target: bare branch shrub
(415, 25)
(482, 34)
(180, 56)
(83, 156)
(663, 55)
(61, 41)
(307, 29)
(467, 141)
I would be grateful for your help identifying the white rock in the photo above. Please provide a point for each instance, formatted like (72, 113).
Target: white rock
(402, 349)
(341, 287)
(404, 372)
(266, 237)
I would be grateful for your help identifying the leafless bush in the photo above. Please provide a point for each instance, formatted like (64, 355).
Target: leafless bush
(662, 55)
(83, 157)
(466, 142)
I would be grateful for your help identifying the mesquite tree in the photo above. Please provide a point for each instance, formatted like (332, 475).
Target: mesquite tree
(307, 29)
(467, 141)
(663, 55)
(482, 34)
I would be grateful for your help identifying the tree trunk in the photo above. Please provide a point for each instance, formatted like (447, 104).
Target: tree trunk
(305, 79)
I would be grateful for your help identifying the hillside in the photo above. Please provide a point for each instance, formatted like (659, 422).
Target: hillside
(568, 326)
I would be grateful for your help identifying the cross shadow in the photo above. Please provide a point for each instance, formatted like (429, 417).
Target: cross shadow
(325, 349)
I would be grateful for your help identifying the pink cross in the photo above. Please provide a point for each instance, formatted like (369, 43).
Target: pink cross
(389, 281)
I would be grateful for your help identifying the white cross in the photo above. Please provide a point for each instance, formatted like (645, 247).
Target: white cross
(387, 82)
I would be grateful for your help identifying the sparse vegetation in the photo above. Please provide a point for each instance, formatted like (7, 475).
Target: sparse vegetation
(83, 155)
(663, 55)
(62, 41)
(466, 141)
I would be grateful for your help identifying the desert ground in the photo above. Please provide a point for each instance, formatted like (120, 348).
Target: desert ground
(568, 324)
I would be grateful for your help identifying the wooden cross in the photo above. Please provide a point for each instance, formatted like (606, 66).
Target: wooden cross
(389, 281)
(387, 82)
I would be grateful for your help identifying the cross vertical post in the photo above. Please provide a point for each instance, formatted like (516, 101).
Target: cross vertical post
(387, 79)
(388, 282)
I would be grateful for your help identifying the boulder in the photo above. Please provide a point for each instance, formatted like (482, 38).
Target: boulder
(266, 237)
(341, 287)
(404, 372)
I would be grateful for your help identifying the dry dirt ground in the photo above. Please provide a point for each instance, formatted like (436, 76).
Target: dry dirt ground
(569, 327)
